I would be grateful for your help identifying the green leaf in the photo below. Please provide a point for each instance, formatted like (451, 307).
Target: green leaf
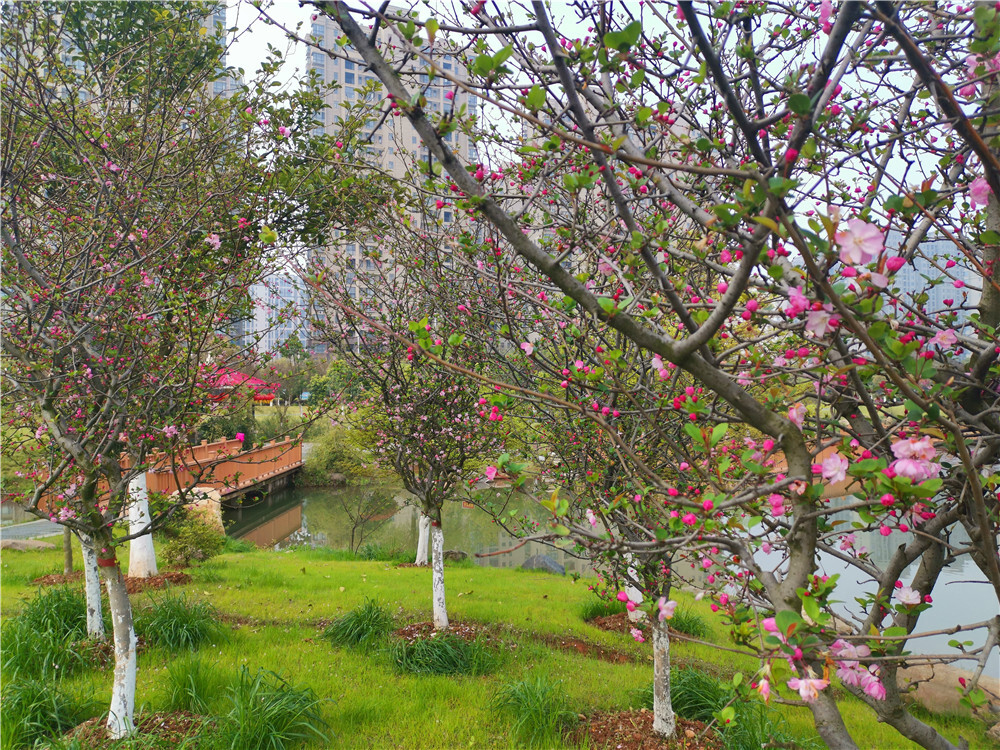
(268, 236)
(607, 304)
(799, 104)
(719, 432)
(694, 433)
(432, 27)
(536, 98)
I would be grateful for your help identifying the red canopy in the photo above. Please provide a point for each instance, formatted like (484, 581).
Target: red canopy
(225, 379)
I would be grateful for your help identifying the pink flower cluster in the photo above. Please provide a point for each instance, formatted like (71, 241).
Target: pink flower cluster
(852, 672)
(915, 459)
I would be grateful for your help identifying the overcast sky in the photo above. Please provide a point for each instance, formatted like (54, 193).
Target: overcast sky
(250, 46)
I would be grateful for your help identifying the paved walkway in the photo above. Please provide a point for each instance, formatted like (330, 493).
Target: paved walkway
(30, 530)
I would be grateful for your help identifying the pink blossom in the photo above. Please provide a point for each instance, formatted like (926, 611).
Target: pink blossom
(283, 131)
(834, 468)
(528, 348)
(764, 688)
(895, 263)
(491, 473)
(797, 414)
(637, 634)
(979, 192)
(665, 608)
(907, 596)
(921, 448)
(808, 687)
(622, 596)
(860, 243)
(241, 436)
(213, 241)
(591, 517)
(821, 322)
(872, 685)
(170, 431)
(797, 302)
(690, 519)
(825, 9)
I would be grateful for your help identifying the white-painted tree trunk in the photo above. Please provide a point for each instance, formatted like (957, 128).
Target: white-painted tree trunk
(141, 555)
(424, 529)
(664, 723)
(437, 576)
(92, 588)
(121, 712)
(633, 593)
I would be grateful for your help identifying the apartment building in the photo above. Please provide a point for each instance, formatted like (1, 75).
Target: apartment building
(392, 144)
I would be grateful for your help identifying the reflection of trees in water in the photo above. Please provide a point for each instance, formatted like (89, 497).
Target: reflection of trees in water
(882, 548)
(333, 514)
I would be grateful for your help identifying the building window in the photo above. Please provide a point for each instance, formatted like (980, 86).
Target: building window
(318, 59)
(447, 217)
(318, 31)
(392, 165)
(348, 65)
(349, 78)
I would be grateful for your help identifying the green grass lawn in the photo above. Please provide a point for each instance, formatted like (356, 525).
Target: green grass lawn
(275, 605)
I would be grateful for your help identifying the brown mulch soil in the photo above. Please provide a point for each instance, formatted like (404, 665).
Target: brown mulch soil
(58, 579)
(170, 727)
(467, 631)
(619, 623)
(592, 650)
(633, 730)
(134, 585)
(411, 565)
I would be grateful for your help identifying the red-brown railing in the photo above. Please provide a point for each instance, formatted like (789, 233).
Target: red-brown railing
(223, 466)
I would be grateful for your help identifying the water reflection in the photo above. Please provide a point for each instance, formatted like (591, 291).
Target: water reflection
(322, 517)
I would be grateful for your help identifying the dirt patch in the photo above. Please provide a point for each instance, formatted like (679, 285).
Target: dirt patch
(173, 577)
(467, 631)
(171, 727)
(411, 565)
(134, 585)
(591, 650)
(58, 579)
(633, 730)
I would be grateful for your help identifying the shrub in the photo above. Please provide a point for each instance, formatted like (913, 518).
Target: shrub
(38, 708)
(190, 539)
(336, 452)
(539, 709)
(365, 627)
(595, 607)
(445, 654)
(60, 609)
(692, 624)
(174, 623)
(269, 714)
(193, 684)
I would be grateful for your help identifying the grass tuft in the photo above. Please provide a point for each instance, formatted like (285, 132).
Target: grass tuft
(269, 714)
(174, 623)
(445, 654)
(37, 708)
(594, 608)
(539, 709)
(194, 685)
(690, 623)
(37, 641)
(365, 628)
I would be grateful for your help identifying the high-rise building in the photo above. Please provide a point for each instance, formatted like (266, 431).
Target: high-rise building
(391, 142)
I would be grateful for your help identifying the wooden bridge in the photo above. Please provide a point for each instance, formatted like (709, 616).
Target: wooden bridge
(225, 467)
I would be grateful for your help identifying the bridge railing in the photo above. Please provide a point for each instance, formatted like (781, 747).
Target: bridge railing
(223, 466)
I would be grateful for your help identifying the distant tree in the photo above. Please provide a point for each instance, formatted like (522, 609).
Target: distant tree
(130, 237)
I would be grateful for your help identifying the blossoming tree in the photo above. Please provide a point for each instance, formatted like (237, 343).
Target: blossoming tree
(126, 252)
(756, 188)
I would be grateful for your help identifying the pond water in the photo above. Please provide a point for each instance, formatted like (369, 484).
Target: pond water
(319, 517)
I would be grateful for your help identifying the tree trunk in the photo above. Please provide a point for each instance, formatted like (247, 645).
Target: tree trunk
(634, 595)
(437, 555)
(141, 555)
(67, 550)
(424, 527)
(122, 707)
(92, 587)
(664, 723)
